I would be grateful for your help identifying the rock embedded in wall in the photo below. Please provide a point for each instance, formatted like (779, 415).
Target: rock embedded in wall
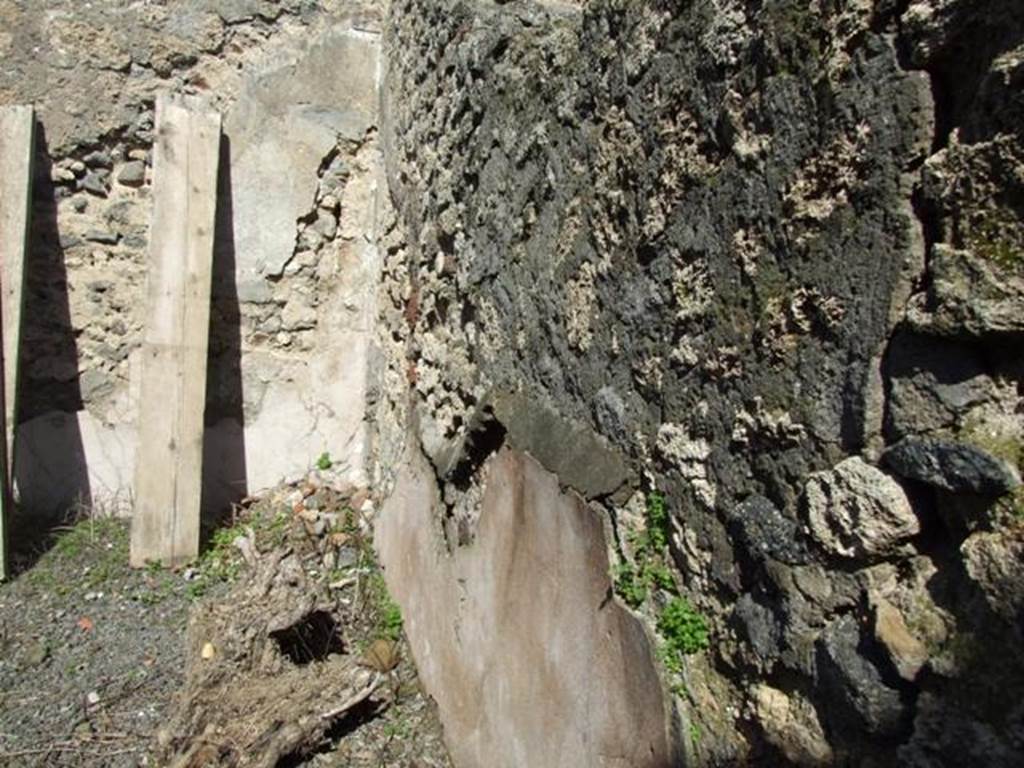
(792, 725)
(856, 510)
(952, 466)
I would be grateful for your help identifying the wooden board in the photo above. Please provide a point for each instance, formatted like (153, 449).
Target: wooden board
(168, 476)
(17, 145)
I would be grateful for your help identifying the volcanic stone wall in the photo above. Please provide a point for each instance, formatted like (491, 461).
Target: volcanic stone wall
(765, 259)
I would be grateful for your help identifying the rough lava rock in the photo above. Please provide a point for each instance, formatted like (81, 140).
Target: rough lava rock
(995, 562)
(763, 531)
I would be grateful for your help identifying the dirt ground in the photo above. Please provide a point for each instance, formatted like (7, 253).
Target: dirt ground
(103, 666)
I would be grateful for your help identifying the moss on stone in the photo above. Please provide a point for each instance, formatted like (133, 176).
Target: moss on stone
(1008, 509)
(1007, 447)
(992, 239)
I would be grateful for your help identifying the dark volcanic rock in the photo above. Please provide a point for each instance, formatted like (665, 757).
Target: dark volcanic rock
(862, 701)
(954, 467)
(759, 627)
(763, 531)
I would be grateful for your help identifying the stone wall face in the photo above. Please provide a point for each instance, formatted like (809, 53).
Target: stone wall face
(295, 262)
(765, 258)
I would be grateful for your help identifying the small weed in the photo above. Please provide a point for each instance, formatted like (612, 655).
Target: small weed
(695, 735)
(391, 620)
(101, 541)
(657, 574)
(222, 561)
(389, 615)
(349, 524)
(160, 586)
(628, 585)
(657, 521)
(635, 581)
(401, 730)
(672, 661)
(324, 462)
(684, 629)
(197, 588)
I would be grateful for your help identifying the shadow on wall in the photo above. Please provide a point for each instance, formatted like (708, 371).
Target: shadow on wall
(224, 466)
(50, 467)
(49, 462)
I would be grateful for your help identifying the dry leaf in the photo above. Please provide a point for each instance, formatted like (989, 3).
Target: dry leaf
(85, 624)
(382, 655)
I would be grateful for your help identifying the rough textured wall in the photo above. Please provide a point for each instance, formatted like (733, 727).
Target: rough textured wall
(294, 263)
(765, 257)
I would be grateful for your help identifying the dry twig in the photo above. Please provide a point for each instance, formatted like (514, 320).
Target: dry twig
(355, 700)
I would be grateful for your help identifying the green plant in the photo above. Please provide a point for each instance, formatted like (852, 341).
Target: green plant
(633, 582)
(673, 662)
(100, 541)
(221, 562)
(324, 462)
(196, 589)
(657, 574)
(657, 521)
(694, 734)
(398, 729)
(628, 585)
(684, 629)
(389, 615)
(391, 620)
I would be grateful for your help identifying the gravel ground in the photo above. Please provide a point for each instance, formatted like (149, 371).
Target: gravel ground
(93, 658)
(90, 652)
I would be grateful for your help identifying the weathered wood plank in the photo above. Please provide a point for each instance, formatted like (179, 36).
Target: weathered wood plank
(165, 525)
(17, 145)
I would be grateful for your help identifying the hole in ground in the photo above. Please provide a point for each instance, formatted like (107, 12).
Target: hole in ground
(314, 638)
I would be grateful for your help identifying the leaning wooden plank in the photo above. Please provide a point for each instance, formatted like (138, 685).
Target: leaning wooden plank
(165, 525)
(17, 133)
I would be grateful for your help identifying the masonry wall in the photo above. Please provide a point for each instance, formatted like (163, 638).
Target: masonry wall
(762, 258)
(293, 299)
